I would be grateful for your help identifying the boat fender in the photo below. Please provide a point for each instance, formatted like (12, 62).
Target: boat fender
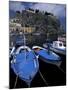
(37, 56)
(13, 61)
(12, 51)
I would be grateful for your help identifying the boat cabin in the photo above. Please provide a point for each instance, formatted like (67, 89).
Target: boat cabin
(58, 44)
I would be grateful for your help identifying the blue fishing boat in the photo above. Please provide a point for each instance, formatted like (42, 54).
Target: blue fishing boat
(25, 64)
(47, 56)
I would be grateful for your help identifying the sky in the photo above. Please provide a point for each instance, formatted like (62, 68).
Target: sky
(56, 9)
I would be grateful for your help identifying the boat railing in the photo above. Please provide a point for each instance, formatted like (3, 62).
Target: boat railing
(22, 47)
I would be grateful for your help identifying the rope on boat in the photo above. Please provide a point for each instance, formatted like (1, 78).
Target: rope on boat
(61, 69)
(16, 81)
(43, 78)
(28, 85)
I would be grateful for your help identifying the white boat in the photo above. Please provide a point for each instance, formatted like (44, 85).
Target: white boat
(58, 47)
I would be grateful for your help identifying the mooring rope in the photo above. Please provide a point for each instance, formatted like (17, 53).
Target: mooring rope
(16, 81)
(61, 70)
(43, 78)
(28, 85)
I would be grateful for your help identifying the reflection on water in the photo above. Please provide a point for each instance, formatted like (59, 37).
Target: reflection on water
(52, 74)
(30, 39)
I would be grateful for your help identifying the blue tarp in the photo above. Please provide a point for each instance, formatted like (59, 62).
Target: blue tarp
(45, 55)
(25, 66)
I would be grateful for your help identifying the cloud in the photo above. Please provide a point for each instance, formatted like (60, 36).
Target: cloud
(17, 5)
(14, 5)
(56, 9)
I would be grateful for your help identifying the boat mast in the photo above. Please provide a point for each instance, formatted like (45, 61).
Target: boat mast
(24, 42)
(48, 43)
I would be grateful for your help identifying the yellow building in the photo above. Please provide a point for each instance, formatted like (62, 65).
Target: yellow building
(28, 29)
(17, 26)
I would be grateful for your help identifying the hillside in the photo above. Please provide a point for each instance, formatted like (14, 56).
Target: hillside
(46, 24)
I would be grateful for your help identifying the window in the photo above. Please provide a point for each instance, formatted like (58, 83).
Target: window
(60, 44)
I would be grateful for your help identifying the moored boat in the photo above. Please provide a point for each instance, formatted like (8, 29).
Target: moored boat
(58, 47)
(25, 64)
(47, 56)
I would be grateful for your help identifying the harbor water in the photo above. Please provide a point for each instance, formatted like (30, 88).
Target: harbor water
(48, 74)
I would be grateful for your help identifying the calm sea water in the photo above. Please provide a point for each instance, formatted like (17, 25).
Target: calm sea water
(51, 73)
